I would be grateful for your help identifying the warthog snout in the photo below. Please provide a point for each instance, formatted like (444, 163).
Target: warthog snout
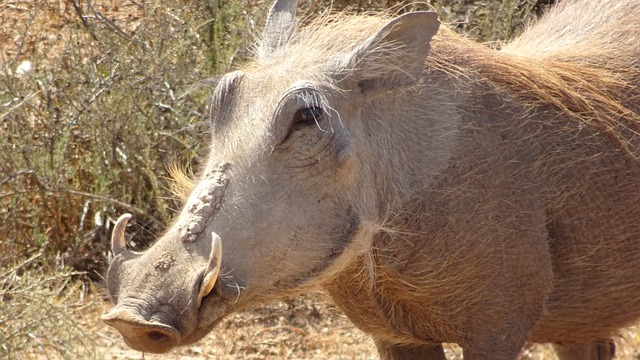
(155, 336)
(148, 319)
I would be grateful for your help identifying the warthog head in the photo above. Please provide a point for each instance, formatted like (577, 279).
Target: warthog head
(285, 196)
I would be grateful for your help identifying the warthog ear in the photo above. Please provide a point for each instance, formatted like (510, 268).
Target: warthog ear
(281, 22)
(395, 56)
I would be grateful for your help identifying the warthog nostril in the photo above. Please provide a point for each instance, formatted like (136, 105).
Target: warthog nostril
(157, 336)
(141, 334)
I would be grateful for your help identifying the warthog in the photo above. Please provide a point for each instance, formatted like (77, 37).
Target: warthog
(436, 189)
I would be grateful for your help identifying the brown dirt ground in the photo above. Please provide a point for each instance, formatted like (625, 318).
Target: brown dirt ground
(302, 328)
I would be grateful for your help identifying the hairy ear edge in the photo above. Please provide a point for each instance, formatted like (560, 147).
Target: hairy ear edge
(395, 56)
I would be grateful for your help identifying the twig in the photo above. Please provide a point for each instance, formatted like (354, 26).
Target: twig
(137, 4)
(23, 38)
(109, 23)
(292, 329)
(14, 107)
(16, 7)
(97, 91)
(15, 175)
(86, 24)
(22, 264)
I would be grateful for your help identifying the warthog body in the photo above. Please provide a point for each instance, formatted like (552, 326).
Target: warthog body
(437, 190)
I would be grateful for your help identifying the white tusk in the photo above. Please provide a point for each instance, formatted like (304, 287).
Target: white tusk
(118, 244)
(213, 268)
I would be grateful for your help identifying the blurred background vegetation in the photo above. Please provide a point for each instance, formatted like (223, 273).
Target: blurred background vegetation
(97, 99)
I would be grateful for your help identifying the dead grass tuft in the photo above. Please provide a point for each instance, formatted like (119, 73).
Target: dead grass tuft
(39, 314)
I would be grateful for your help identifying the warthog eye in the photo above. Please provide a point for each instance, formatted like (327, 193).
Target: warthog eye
(309, 115)
(306, 118)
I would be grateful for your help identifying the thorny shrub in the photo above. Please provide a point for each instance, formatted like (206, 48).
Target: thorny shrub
(112, 100)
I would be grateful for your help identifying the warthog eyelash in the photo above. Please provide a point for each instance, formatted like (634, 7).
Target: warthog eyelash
(315, 100)
(318, 100)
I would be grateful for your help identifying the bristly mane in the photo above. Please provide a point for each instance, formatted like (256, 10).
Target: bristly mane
(582, 58)
(598, 93)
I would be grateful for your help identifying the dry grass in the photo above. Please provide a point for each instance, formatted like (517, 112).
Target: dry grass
(39, 314)
(116, 93)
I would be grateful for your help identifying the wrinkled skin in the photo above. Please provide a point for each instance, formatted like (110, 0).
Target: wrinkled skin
(406, 193)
